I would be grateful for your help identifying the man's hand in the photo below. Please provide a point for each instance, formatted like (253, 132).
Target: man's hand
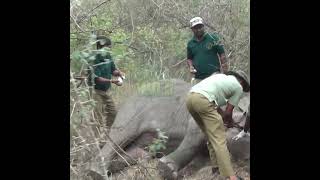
(192, 70)
(190, 65)
(117, 72)
(227, 116)
(240, 135)
(114, 81)
(122, 75)
(118, 81)
(220, 111)
(224, 68)
(227, 119)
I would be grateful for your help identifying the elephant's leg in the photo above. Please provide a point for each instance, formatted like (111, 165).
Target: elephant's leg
(239, 149)
(133, 153)
(171, 164)
(121, 136)
(200, 160)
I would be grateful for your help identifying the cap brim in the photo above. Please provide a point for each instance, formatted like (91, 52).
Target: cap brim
(196, 24)
(247, 83)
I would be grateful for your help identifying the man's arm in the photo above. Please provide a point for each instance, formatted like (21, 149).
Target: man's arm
(220, 111)
(222, 56)
(98, 76)
(190, 65)
(227, 115)
(189, 60)
(102, 80)
(232, 102)
(223, 62)
(115, 71)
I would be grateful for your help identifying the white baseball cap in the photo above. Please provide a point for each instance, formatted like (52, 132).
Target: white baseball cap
(195, 21)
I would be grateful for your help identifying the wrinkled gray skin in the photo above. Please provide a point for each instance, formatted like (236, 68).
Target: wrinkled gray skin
(135, 127)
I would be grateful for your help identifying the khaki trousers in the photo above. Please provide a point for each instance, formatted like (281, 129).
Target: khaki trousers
(105, 110)
(211, 123)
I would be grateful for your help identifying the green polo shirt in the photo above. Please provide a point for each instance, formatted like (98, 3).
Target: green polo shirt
(220, 88)
(204, 55)
(103, 66)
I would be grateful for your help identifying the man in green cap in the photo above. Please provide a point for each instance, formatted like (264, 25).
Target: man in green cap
(204, 101)
(205, 54)
(103, 69)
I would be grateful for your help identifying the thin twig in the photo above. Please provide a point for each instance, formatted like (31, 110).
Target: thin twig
(132, 28)
(179, 62)
(75, 172)
(108, 137)
(93, 10)
(156, 4)
(74, 105)
(76, 23)
(85, 102)
(94, 30)
(116, 145)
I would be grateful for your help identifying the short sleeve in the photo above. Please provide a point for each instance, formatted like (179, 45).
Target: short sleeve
(218, 44)
(235, 98)
(97, 71)
(113, 67)
(189, 52)
(220, 49)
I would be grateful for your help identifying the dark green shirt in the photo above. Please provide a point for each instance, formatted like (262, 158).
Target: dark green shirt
(103, 66)
(204, 55)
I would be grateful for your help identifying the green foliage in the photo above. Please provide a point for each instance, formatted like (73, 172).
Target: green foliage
(158, 88)
(158, 144)
(104, 22)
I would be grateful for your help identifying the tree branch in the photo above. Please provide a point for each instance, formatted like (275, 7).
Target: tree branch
(76, 23)
(179, 62)
(93, 10)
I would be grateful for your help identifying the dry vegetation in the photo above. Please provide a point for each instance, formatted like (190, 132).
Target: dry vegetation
(149, 39)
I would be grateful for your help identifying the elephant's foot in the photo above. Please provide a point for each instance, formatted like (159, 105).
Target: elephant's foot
(168, 169)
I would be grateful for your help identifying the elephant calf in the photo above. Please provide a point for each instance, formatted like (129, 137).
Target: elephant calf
(136, 125)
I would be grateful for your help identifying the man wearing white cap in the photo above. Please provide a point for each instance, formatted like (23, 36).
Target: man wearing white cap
(205, 55)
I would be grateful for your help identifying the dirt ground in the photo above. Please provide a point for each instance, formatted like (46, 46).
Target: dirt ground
(148, 171)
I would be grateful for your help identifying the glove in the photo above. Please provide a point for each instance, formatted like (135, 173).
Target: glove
(192, 70)
(120, 81)
(122, 75)
(240, 135)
